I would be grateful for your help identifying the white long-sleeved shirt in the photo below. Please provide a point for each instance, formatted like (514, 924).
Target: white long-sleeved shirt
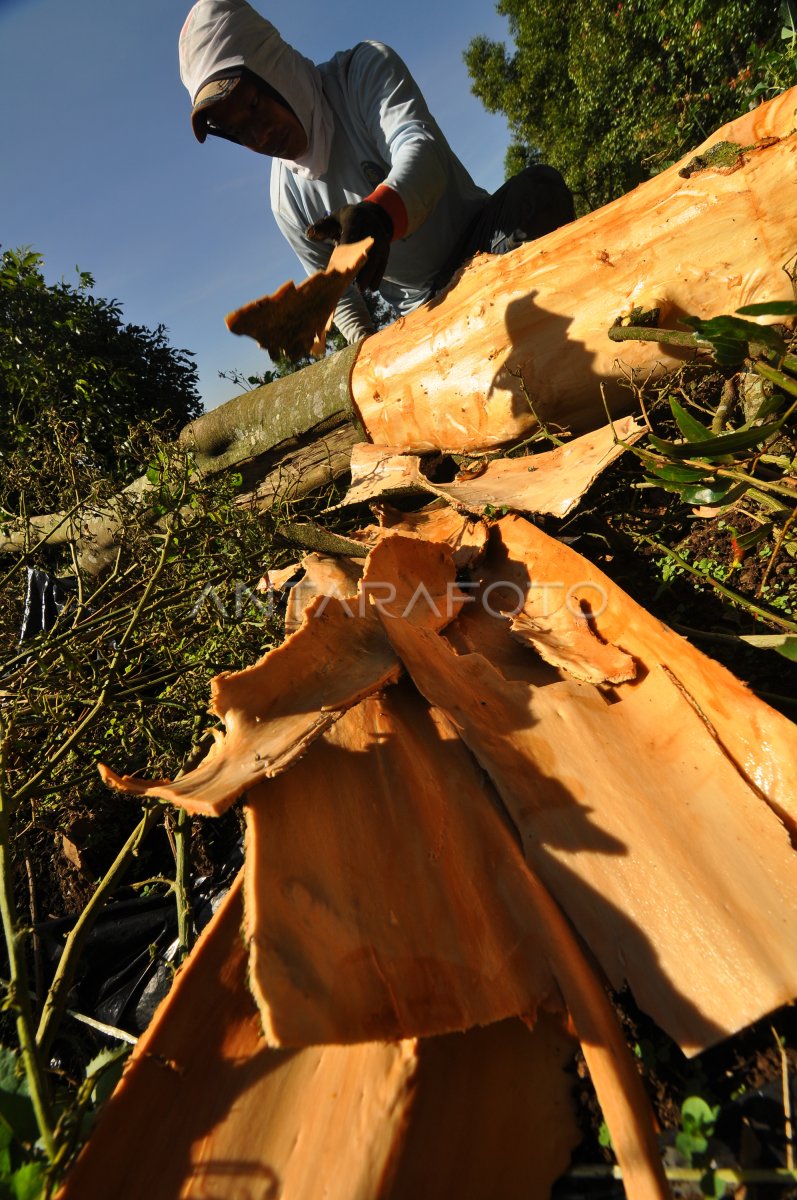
(383, 133)
(367, 123)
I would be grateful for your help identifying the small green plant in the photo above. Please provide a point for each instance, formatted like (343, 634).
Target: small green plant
(698, 1119)
(22, 1167)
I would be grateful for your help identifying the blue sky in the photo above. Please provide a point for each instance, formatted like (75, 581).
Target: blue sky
(100, 169)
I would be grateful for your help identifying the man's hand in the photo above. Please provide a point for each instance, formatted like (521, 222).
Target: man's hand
(352, 223)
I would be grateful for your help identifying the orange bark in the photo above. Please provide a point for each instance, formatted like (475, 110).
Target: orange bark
(295, 320)
(274, 710)
(551, 481)
(206, 1109)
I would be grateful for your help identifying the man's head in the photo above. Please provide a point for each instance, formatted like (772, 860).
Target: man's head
(247, 110)
(247, 84)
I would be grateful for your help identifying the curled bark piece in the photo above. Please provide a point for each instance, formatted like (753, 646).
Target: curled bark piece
(565, 639)
(276, 580)
(295, 320)
(760, 742)
(677, 876)
(382, 471)
(275, 709)
(204, 1108)
(323, 576)
(552, 481)
(436, 522)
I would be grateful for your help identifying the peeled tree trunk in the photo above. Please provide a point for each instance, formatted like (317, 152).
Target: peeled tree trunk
(515, 340)
(523, 338)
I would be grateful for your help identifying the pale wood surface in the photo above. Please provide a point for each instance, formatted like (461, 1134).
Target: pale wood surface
(206, 1111)
(384, 892)
(635, 816)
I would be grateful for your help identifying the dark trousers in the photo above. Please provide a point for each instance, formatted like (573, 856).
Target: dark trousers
(530, 204)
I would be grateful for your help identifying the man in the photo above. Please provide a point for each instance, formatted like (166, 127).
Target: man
(356, 153)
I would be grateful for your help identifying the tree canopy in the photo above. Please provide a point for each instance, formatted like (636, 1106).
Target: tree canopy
(65, 350)
(610, 91)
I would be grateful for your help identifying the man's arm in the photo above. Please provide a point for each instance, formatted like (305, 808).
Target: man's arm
(385, 108)
(388, 102)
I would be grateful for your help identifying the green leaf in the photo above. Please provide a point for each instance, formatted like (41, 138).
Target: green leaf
(721, 492)
(727, 328)
(770, 308)
(746, 541)
(783, 643)
(688, 1144)
(16, 1107)
(716, 447)
(705, 494)
(690, 427)
(604, 1136)
(675, 474)
(700, 1113)
(730, 337)
(769, 405)
(106, 1071)
(6, 1138)
(712, 1185)
(28, 1182)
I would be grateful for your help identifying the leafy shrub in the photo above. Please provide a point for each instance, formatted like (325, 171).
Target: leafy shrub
(66, 351)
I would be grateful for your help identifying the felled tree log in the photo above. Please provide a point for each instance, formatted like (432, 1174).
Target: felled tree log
(523, 337)
(288, 439)
(256, 431)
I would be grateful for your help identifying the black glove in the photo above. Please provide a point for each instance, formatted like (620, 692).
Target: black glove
(352, 223)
